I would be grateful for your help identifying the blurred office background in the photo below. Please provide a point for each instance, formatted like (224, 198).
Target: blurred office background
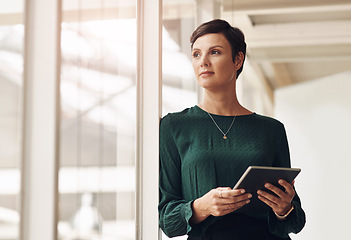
(298, 69)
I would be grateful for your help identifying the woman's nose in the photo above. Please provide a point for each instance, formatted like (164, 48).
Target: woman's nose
(205, 62)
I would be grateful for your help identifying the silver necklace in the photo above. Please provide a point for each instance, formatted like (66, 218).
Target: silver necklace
(224, 134)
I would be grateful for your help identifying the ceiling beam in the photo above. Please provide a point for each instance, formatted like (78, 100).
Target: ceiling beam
(300, 34)
(302, 53)
(271, 5)
(300, 17)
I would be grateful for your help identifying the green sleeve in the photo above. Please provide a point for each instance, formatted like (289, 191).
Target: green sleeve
(296, 219)
(174, 211)
(292, 224)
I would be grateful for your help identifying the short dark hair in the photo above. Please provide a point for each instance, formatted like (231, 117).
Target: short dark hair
(234, 36)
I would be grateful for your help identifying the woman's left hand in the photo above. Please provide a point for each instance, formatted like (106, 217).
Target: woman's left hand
(281, 203)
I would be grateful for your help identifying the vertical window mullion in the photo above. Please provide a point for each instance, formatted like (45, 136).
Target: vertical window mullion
(40, 124)
(149, 111)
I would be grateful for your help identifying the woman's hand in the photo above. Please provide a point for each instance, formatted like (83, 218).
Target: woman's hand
(281, 203)
(219, 202)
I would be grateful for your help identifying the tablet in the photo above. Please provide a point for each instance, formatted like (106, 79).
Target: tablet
(255, 177)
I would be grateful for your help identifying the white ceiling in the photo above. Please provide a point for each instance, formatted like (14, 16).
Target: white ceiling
(294, 41)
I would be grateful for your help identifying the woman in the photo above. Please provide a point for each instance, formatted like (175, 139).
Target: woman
(206, 148)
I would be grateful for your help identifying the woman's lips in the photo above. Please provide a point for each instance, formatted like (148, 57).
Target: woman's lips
(206, 73)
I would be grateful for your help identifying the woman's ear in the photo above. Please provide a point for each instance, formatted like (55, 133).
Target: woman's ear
(238, 60)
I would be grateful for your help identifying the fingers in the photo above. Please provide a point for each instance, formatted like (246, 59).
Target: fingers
(231, 205)
(226, 200)
(264, 198)
(275, 190)
(289, 192)
(281, 201)
(232, 196)
(224, 192)
(228, 208)
(288, 187)
(220, 193)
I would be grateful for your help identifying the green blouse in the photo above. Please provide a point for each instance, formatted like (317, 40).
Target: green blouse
(194, 158)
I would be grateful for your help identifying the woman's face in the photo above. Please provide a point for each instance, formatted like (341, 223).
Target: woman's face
(213, 63)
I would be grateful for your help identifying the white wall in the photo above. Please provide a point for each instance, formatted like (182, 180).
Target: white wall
(317, 117)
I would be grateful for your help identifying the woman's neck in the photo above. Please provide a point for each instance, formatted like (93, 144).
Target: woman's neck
(223, 105)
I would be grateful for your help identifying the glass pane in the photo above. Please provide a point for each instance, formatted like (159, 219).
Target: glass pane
(98, 91)
(178, 82)
(11, 82)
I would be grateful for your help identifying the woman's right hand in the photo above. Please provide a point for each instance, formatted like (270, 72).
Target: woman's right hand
(218, 202)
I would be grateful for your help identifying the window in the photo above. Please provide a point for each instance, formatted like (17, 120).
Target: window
(98, 120)
(11, 82)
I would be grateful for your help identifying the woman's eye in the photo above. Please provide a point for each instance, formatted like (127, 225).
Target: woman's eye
(215, 52)
(196, 54)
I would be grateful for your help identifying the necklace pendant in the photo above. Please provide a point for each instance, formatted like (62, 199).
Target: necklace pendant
(224, 134)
